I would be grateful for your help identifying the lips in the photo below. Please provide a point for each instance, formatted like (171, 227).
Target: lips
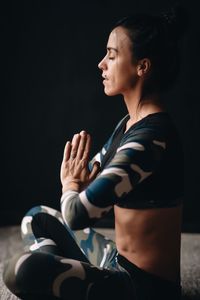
(104, 77)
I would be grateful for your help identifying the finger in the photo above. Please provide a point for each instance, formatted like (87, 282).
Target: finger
(95, 170)
(87, 148)
(67, 151)
(75, 144)
(82, 144)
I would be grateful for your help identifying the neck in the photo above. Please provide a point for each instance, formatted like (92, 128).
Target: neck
(139, 107)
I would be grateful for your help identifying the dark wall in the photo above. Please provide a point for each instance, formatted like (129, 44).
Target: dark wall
(52, 89)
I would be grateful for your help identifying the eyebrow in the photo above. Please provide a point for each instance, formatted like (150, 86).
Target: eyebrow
(112, 48)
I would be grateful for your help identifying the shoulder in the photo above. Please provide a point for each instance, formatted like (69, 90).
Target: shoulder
(154, 126)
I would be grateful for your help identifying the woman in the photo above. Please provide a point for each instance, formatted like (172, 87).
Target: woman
(139, 172)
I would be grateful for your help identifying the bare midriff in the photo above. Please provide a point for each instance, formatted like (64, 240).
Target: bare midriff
(150, 239)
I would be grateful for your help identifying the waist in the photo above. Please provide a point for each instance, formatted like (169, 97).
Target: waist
(150, 239)
(146, 282)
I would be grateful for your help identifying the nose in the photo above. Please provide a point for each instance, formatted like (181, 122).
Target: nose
(102, 64)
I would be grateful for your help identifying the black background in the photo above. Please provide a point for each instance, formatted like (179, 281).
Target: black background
(52, 88)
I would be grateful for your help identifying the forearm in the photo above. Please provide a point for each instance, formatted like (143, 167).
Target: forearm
(74, 213)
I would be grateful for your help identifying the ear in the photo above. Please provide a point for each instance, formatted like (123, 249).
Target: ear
(143, 67)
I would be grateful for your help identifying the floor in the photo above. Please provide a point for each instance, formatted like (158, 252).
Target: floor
(10, 243)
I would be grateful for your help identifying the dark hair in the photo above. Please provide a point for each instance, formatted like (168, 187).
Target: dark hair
(156, 37)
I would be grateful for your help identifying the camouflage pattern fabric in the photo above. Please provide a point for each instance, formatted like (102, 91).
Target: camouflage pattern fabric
(38, 272)
(137, 175)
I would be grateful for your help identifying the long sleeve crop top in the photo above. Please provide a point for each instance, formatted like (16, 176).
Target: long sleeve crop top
(141, 168)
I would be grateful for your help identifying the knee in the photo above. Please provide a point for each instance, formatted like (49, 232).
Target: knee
(27, 219)
(33, 212)
(36, 210)
(10, 272)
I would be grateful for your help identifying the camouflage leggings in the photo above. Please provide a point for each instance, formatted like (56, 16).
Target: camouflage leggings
(58, 263)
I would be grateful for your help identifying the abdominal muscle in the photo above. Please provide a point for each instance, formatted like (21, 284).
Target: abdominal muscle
(150, 239)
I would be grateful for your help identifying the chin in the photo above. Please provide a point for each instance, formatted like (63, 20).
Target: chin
(110, 93)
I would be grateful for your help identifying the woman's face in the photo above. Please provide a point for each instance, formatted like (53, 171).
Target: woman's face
(118, 70)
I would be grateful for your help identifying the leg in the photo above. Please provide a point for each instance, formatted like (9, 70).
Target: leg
(40, 275)
(43, 228)
(98, 249)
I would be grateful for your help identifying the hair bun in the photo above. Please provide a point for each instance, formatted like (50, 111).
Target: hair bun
(175, 21)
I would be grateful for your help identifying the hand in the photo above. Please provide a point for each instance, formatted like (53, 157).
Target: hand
(74, 173)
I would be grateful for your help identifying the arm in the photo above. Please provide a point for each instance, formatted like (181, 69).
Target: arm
(134, 161)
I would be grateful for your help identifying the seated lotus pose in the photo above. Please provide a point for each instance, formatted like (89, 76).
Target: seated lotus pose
(138, 173)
